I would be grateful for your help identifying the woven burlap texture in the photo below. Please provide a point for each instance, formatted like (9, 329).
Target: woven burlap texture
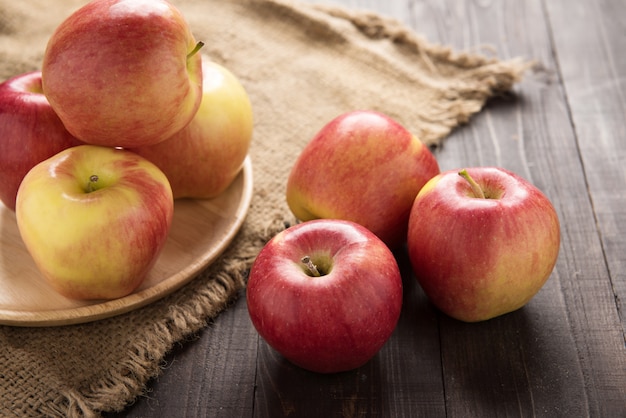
(302, 65)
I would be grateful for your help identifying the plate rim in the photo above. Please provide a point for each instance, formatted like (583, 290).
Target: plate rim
(110, 308)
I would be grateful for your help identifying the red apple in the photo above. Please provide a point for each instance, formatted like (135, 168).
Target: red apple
(30, 132)
(482, 242)
(123, 72)
(326, 294)
(204, 158)
(363, 167)
(94, 220)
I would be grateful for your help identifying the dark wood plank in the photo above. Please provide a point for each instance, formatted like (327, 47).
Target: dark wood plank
(590, 40)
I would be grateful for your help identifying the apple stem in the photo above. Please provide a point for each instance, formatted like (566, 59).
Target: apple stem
(312, 267)
(197, 48)
(478, 192)
(91, 184)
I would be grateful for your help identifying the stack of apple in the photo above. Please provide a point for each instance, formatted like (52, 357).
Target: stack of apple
(125, 116)
(327, 293)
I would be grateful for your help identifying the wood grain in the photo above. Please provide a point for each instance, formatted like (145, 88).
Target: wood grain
(590, 42)
(200, 231)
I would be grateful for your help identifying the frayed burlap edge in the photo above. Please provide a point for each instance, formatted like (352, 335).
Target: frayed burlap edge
(484, 78)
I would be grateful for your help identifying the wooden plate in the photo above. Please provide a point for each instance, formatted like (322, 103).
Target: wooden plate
(201, 230)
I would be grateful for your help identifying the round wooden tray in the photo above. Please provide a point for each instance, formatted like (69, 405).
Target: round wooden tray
(201, 230)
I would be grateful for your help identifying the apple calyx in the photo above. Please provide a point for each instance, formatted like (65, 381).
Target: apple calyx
(91, 184)
(476, 189)
(195, 50)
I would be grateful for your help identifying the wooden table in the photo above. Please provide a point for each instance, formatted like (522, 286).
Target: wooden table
(564, 354)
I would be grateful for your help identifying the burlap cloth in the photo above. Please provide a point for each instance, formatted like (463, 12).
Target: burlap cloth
(301, 65)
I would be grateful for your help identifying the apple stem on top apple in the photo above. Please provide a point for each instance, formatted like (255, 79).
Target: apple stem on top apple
(476, 189)
(197, 48)
(312, 268)
(91, 184)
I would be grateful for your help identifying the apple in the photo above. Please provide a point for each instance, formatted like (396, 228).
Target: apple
(482, 242)
(204, 158)
(123, 73)
(30, 132)
(363, 167)
(94, 219)
(326, 294)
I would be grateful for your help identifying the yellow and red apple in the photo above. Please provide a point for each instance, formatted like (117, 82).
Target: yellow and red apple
(364, 167)
(482, 243)
(123, 72)
(94, 219)
(204, 158)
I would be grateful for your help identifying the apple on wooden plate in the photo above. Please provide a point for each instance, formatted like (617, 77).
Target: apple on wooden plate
(123, 73)
(94, 219)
